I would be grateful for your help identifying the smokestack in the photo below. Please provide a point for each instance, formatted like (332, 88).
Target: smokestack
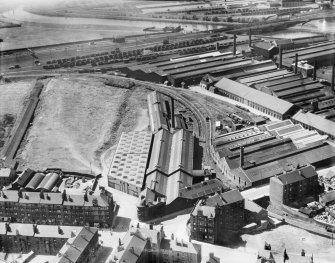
(314, 70)
(234, 45)
(250, 37)
(296, 63)
(280, 57)
(242, 156)
(332, 80)
(172, 114)
(315, 105)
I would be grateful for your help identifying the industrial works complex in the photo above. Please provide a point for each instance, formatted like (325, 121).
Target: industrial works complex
(252, 158)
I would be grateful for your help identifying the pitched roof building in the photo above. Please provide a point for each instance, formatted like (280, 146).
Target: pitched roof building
(217, 218)
(261, 101)
(294, 186)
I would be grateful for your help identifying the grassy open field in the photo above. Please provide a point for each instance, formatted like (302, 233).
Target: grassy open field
(12, 98)
(78, 120)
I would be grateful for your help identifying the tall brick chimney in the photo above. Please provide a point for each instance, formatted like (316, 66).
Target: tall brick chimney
(242, 156)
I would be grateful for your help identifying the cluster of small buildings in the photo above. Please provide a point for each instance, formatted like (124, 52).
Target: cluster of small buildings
(150, 245)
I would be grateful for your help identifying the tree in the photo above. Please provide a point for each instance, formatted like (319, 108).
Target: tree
(215, 19)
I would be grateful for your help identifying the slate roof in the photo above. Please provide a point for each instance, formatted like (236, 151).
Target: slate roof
(297, 175)
(225, 198)
(278, 105)
(74, 247)
(315, 121)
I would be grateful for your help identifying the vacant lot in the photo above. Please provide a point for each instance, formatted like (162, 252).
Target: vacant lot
(12, 98)
(79, 119)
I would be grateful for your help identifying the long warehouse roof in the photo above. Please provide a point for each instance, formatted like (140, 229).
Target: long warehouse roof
(315, 121)
(256, 96)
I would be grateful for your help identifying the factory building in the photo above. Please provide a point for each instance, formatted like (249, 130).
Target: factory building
(265, 49)
(323, 53)
(58, 208)
(251, 156)
(169, 169)
(256, 99)
(303, 92)
(183, 71)
(127, 169)
(77, 242)
(308, 94)
(212, 78)
(316, 122)
(292, 3)
(217, 218)
(159, 112)
(294, 187)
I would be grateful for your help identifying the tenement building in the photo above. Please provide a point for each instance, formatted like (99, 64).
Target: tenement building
(293, 187)
(217, 218)
(141, 245)
(58, 208)
(49, 240)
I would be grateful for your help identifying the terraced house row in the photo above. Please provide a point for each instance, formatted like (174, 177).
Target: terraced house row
(58, 208)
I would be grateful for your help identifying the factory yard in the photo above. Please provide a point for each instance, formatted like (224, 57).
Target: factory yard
(12, 98)
(77, 120)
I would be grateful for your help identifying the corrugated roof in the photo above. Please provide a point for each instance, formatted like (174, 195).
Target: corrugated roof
(25, 177)
(48, 182)
(278, 105)
(35, 181)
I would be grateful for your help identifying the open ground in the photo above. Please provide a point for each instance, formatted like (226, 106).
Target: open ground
(77, 120)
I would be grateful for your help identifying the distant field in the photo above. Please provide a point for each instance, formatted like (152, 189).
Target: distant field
(77, 120)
